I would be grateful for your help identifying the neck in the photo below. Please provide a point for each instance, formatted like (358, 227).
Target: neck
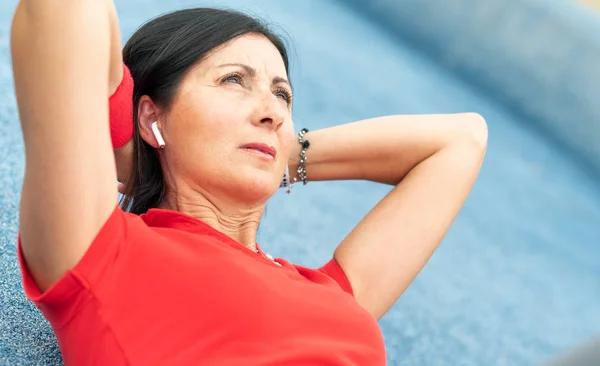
(240, 224)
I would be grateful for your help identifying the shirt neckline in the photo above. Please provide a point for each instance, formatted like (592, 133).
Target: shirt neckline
(165, 218)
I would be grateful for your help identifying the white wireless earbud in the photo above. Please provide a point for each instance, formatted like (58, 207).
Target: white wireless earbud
(157, 135)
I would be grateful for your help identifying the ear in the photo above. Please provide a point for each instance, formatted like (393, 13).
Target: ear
(148, 113)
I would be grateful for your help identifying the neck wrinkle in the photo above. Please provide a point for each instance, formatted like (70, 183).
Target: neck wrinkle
(239, 224)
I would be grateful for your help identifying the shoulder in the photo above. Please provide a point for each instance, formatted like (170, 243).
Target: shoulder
(330, 274)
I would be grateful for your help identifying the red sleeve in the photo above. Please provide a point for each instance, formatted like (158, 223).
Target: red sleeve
(67, 295)
(335, 272)
(121, 111)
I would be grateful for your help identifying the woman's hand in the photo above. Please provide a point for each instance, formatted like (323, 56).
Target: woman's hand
(433, 160)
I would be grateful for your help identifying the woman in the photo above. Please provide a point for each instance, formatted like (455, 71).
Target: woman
(180, 279)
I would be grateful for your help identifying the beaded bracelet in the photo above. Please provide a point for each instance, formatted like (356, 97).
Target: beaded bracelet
(301, 171)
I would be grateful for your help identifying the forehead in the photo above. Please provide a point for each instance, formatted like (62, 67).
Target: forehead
(254, 50)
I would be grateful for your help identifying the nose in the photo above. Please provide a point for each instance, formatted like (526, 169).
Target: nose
(269, 111)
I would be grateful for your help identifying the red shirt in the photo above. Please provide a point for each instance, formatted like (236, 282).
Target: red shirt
(164, 288)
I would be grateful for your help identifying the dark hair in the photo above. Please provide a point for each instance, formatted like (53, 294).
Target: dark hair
(159, 54)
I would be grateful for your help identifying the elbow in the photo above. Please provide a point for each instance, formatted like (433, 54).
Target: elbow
(475, 131)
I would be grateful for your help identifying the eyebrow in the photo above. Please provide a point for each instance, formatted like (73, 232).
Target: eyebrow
(252, 73)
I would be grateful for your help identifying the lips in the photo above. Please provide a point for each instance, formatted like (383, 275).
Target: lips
(261, 148)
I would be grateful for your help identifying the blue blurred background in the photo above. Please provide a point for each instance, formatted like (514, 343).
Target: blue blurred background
(517, 279)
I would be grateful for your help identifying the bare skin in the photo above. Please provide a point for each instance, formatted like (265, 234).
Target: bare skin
(432, 160)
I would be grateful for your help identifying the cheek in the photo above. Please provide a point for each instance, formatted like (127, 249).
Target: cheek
(203, 119)
(288, 137)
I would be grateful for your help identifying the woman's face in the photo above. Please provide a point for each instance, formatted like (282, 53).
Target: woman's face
(229, 130)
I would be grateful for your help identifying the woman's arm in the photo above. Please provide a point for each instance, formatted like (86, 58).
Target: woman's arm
(433, 160)
(61, 53)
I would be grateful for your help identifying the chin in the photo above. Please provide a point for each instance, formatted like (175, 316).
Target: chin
(257, 187)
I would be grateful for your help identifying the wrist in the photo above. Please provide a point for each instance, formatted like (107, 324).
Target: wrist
(295, 170)
(121, 111)
(298, 167)
(294, 160)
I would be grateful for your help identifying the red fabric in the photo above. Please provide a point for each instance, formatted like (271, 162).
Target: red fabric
(166, 289)
(121, 111)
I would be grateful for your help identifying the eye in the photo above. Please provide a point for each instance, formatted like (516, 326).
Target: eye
(233, 78)
(284, 94)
